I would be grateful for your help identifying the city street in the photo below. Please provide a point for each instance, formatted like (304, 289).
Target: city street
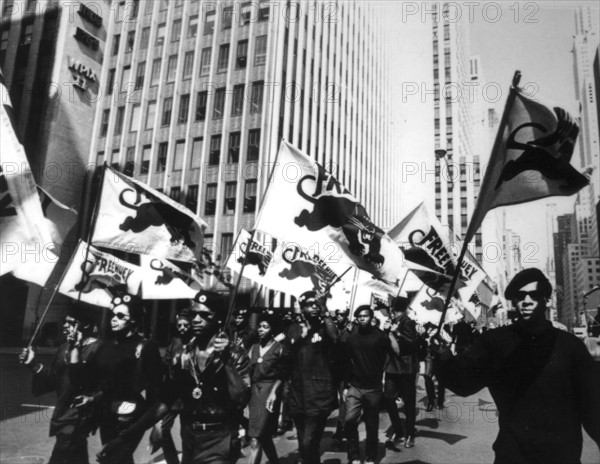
(462, 433)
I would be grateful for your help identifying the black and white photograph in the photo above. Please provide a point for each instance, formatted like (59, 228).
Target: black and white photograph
(299, 232)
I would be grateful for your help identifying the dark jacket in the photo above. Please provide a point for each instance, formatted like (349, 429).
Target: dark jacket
(224, 383)
(367, 351)
(313, 389)
(545, 386)
(57, 377)
(408, 342)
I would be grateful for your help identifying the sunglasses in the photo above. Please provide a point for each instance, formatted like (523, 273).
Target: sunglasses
(308, 303)
(121, 316)
(534, 295)
(207, 315)
(183, 324)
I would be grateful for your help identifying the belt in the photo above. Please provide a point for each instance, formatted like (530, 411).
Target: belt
(208, 427)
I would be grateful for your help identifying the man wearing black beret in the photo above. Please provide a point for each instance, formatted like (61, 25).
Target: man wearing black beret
(211, 377)
(543, 380)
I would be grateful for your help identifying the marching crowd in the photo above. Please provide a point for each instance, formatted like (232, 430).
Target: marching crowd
(270, 369)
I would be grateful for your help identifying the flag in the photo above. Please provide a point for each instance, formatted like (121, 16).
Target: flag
(27, 248)
(257, 254)
(307, 205)
(530, 158)
(59, 218)
(96, 277)
(427, 307)
(165, 280)
(424, 242)
(288, 268)
(135, 218)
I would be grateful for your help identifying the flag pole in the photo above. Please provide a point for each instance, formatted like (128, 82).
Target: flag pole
(54, 292)
(354, 289)
(478, 213)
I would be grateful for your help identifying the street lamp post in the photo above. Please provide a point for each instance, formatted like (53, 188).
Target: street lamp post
(440, 153)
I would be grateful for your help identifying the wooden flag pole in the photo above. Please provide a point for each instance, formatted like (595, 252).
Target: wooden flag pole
(474, 223)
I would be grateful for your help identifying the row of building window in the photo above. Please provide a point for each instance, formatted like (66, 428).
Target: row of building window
(237, 108)
(214, 156)
(260, 57)
(176, 31)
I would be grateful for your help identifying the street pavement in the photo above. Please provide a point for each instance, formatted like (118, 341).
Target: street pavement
(461, 433)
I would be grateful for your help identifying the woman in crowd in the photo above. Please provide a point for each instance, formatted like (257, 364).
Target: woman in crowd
(267, 372)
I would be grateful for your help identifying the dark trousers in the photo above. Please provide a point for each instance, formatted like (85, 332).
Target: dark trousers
(70, 448)
(342, 408)
(405, 386)
(124, 455)
(217, 447)
(430, 389)
(366, 402)
(310, 431)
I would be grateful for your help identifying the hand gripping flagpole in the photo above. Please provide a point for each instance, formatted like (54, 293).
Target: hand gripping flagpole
(477, 217)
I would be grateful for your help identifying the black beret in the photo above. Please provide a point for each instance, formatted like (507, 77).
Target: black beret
(213, 301)
(526, 276)
(307, 296)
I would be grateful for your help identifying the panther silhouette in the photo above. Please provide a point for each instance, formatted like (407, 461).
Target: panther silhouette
(256, 259)
(435, 304)
(157, 213)
(363, 236)
(302, 268)
(537, 157)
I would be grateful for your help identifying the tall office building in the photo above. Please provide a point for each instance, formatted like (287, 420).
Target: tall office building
(51, 55)
(456, 116)
(562, 237)
(200, 94)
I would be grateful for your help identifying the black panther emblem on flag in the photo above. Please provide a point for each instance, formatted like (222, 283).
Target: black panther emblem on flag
(334, 208)
(157, 213)
(536, 155)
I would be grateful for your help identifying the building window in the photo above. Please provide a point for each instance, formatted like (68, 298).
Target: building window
(263, 12)
(114, 159)
(201, 106)
(110, 83)
(192, 26)
(119, 120)
(171, 68)
(126, 79)
(178, 158)
(115, 44)
(237, 105)
(227, 17)
(229, 204)
(253, 144)
(129, 161)
(161, 159)
(150, 114)
(100, 158)
(205, 62)
(226, 246)
(209, 22)
(241, 54)
(104, 124)
(146, 152)
(191, 199)
(175, 194)
(260, 52)
(210, 204)
(219, 104)
(250, 196)
(155, 77)
(233, 155)
(188, 65)
(257, 97)
(130, 42)
(139, 76)
(184, 107)
(145, 38)
(160, 34)
(246, 12)
(196, 157)
(167, 108)
(223, 58)
(134, 123)
(176, 31)
(215, 150)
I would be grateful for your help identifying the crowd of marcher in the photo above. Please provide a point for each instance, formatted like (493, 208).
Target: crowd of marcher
(271, 369)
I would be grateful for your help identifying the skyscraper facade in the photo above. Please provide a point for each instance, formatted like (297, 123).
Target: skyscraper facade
(200, 94)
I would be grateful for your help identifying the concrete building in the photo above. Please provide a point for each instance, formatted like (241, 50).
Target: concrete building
(562, 237)
(199, 96)
(571, 299)
(51, 56)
